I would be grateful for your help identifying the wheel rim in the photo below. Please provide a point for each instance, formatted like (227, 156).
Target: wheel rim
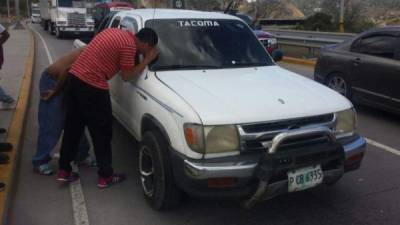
(338, 84)
(146, 167)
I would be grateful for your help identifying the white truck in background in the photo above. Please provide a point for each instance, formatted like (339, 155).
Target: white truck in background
(35, 13)
(61, 17)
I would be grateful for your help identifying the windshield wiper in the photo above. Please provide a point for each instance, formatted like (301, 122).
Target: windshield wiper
(249, 64)
(181, 67)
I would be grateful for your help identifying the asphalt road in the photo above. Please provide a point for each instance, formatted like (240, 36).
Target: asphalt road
(370, 195)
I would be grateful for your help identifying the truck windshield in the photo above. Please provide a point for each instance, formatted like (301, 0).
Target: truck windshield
(206, 44)
(70, 3)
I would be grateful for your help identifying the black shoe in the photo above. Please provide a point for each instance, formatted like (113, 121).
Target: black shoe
(2, 186)
(5, 147)
(4, 159)
(2, 130)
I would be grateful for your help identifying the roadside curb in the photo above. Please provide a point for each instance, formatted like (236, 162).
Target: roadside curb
(15, 131)
(305, 62)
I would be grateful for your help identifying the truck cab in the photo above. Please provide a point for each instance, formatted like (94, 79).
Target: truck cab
(62, 17)
(217, 117)
(35, 13)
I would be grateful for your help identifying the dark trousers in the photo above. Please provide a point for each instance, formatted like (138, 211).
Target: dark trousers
(91, 107)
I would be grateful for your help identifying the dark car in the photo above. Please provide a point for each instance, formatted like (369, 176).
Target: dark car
(365, 69)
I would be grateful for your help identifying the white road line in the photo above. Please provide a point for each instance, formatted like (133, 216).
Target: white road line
(383, 147)
(45, 46)
(78, 198)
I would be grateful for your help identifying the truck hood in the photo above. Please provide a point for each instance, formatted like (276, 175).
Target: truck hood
(246, 95)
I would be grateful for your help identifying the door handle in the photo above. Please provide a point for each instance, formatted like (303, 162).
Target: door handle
(356, 61)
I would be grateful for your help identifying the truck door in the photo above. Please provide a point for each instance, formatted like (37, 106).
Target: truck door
(131, 97)
(374, 67)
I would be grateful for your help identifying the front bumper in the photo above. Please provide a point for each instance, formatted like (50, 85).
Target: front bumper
(193, 175)
(35, 19)
(76, 29)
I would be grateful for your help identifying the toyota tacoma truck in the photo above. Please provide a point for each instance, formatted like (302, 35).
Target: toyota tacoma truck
(217, 117)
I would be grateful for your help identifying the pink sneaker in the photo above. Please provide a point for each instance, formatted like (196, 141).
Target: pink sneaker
(65, 176)
(114, 179)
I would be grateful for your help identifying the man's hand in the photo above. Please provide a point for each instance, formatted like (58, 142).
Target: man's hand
(47, 95)
(150, 55)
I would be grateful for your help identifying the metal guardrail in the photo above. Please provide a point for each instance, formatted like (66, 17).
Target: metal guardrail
(310, 40)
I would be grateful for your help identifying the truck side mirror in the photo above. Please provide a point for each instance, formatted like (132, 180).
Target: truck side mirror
(277, 55)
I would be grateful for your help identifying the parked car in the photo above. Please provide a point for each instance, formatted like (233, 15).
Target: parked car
(365, 69)
(216, 117)
(103, 9)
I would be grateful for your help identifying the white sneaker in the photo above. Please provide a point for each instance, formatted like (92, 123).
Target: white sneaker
(7, 106)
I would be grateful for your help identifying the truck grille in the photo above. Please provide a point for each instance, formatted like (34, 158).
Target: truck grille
(257, 137)
(76, 19)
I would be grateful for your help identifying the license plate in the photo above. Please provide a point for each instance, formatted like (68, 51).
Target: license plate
(304, 178)
(77, 28)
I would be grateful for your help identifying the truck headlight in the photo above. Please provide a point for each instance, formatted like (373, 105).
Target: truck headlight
(212, 139)
(272, 41)
(345, 122)
(61, 22)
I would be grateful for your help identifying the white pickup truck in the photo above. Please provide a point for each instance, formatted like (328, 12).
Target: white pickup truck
(216, 117)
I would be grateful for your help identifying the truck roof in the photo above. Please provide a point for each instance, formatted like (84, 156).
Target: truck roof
(115, 4)
(148, 14)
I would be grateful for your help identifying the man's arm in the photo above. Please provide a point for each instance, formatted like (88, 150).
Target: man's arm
(4, 37)
(65, 62)
(61, 80)
(133, 74)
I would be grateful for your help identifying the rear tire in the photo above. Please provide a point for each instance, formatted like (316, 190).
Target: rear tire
(59, 34)
(157, 179)
(340, 84)
(45, 25)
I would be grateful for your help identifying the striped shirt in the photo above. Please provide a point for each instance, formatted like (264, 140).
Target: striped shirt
(109, 52)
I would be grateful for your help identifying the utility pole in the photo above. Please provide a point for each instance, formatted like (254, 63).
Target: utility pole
(8, 11)
(28, 7)
(17, 9)
(18, 25)
(341, 20)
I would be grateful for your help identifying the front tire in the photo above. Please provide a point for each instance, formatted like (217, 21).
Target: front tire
(51, 28)
(157, 179)
(340, 84)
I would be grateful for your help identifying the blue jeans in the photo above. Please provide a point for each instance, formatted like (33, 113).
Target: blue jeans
(51, 118)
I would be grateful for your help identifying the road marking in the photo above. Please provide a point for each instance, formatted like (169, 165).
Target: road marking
(383, 147)
(75, 188)
(45, 46)
(78, 201)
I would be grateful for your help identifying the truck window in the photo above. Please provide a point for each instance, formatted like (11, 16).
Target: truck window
(130, 23)
(115, 22)
(378, 45)
(206, 43)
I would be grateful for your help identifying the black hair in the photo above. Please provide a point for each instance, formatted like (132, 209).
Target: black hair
(148, 36)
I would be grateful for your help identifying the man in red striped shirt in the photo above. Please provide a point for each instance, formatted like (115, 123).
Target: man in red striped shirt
(88, 98)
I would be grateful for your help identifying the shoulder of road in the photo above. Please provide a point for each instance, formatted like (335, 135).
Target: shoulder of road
(15, 77)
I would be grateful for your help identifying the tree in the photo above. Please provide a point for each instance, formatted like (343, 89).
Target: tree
(319, 22)
(354, 18)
